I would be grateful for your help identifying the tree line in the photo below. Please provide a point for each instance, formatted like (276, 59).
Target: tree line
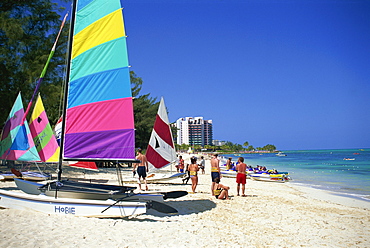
(226, 148)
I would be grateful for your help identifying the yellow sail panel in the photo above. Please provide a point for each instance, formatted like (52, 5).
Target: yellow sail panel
(106, 29)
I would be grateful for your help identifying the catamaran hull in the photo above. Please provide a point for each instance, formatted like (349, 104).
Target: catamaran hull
(27, 175)
(155, 177)
(64, 206)
(33, 188)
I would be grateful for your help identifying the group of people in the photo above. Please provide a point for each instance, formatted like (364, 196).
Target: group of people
(221, 191)
(218, 190)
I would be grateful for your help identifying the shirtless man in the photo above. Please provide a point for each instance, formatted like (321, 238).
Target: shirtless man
(241, 177)
(142, 168)
(215, 171)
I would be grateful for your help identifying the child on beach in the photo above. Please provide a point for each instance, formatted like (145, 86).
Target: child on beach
(241, 177)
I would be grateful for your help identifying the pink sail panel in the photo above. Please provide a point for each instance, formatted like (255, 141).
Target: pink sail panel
(161, 151)
(42, 134)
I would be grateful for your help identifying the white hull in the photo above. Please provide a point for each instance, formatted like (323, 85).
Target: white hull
(232, 174)
(63, 206)
(26, 175)
(280, 178)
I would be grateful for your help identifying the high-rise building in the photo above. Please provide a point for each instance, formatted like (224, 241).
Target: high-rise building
(194, 131)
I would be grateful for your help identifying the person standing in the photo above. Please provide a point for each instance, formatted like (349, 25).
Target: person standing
(202, 164)
(181, 165)
(142, 168)
(193, 171)
(215, 171)
(241, 177)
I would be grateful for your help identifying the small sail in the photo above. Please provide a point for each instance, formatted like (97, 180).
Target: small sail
(99, 114)
(16, 141)
(161, 149)
(58, 129)
(42, 134)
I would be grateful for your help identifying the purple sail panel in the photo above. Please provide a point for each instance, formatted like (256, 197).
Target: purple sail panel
(97, 145)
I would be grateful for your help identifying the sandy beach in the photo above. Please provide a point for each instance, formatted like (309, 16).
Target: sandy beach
(272, 215)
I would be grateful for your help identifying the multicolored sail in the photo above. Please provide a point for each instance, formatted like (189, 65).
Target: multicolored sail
(161, 149)
(16, 141)
(42, 134)
(99, 115)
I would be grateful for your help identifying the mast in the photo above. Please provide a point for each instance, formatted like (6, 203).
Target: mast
(69, 57)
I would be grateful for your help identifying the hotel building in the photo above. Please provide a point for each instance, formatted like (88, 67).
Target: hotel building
(194, 131)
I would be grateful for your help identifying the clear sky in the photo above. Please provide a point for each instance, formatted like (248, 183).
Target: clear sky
(295, 74)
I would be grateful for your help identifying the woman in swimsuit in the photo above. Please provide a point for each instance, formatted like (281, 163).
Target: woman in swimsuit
(221, 191)
(193, 169)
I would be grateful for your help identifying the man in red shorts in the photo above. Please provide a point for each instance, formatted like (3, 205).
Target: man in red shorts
(241, 177)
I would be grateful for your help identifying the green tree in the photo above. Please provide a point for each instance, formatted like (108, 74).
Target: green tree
(27, 33)
(246, 144)
(145, 110)
(269, 147)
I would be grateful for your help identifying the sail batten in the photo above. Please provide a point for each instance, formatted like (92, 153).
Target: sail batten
(99, 121)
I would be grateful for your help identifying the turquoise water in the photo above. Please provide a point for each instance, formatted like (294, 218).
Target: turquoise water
(323, 169)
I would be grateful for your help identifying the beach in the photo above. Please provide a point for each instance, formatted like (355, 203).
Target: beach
(272, 215)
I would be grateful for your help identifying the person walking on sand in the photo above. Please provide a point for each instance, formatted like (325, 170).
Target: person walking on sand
(142, 168)
(202, 164)
(193, 171)
(241, 177)
(215, 171)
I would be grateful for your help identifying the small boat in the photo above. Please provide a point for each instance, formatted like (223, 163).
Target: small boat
(280, 154)
(349, 159)
(161, 151)
(26, 175)
(281, 178)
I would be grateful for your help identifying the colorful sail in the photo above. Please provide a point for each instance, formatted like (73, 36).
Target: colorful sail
(161, 149)
(42, 134)
(99, 115)
(16, 141)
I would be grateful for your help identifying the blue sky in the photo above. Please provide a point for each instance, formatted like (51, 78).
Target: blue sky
(295, 74)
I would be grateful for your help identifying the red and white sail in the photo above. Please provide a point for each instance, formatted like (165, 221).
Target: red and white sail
(161, 149)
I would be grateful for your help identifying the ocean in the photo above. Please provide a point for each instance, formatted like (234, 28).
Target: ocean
(322, 169)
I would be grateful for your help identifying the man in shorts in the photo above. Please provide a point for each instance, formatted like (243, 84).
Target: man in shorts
(215, 171)
(241, 177)
(142, 168)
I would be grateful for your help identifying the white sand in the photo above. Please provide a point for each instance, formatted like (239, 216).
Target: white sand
(273, 215)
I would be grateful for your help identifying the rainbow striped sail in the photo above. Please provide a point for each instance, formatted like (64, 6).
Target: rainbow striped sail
(16, 142)
(99, 114)
(42, 134)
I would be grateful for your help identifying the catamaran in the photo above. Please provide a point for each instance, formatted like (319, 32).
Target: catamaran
(98, 121)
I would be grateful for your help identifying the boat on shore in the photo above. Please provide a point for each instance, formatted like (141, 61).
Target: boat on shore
(280, 177)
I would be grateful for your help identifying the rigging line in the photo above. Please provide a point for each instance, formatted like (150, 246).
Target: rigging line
(45, 68)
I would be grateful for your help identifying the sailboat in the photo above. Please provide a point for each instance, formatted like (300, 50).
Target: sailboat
(161, 151)
(17, 144)
(98, 121)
